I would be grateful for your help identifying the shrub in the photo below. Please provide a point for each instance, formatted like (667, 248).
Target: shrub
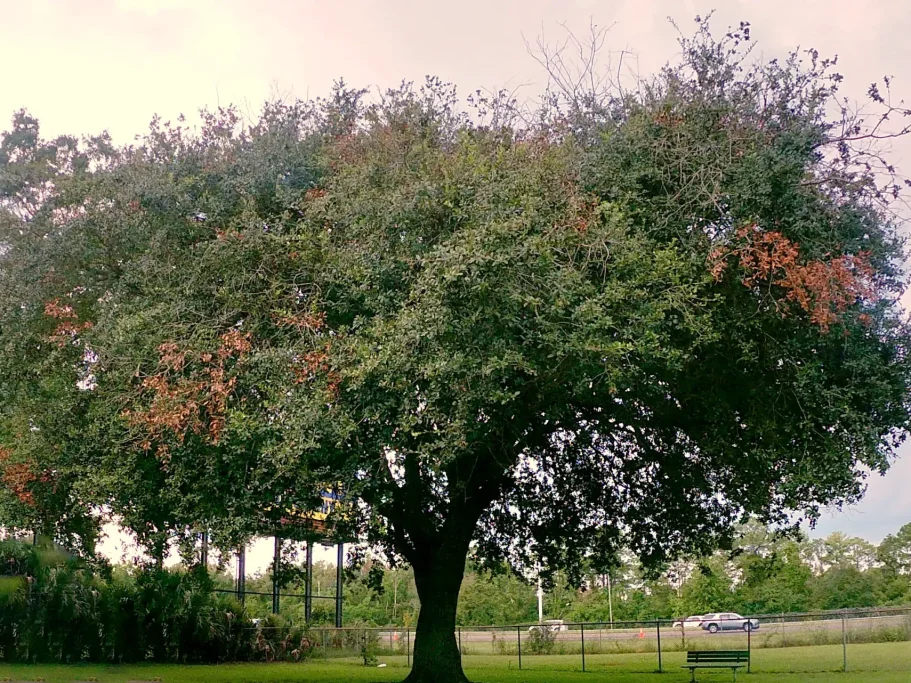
(369, 647)
(541, 640)
(61, 609)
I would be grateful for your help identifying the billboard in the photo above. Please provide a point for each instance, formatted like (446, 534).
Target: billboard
(305, 524)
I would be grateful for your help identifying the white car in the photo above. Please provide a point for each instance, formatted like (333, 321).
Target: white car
(552, 625)
(689, 622)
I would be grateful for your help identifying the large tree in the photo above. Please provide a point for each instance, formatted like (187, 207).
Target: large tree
(629, 324)
(894, 552)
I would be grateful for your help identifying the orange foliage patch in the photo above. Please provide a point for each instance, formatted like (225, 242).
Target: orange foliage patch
(54, 309)
(314, 364)
(68, 328)
(234, 343)
(189, 400)
(18, 477)
(668, 119)
(346, 149)
(822, 289)
(585, 212)
(301, 321)
(230, 234)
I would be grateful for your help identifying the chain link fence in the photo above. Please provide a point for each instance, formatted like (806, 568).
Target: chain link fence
(861, 640)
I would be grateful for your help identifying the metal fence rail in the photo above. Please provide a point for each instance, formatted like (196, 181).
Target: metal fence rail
(782, 642)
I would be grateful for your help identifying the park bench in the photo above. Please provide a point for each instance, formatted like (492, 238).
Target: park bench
(716, 659)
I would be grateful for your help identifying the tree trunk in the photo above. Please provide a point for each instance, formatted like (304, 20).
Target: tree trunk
(436, 655)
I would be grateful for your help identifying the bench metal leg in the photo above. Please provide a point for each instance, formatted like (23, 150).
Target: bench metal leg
(735, 674)
(692, 675)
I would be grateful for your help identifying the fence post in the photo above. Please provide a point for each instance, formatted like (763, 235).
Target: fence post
(204, 550)
(749, 645)
(460, 641)
(658, 632)
(582, 626)
(519, 641)
(276, 563)
(844, 642)
(339, 568)
(308, 585)
(408, 646)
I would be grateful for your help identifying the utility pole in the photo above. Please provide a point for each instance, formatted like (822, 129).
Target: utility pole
(610, 601)
(395, 596)
(242, 573)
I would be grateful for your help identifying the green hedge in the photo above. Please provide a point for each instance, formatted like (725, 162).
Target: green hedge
(59, 609)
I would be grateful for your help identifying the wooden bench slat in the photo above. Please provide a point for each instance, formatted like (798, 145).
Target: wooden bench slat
(715, 661)
(719, 661)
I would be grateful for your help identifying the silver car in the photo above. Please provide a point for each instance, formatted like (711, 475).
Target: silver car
(728, 621)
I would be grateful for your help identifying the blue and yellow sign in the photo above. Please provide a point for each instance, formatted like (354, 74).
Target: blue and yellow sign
(308, 523)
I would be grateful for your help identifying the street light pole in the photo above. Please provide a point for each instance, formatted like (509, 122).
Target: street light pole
(540, 602)
(610, 601)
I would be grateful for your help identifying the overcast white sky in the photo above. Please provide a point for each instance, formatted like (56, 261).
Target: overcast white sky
(82, 66)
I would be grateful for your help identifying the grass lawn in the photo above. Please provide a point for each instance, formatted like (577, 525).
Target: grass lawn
(879, 663)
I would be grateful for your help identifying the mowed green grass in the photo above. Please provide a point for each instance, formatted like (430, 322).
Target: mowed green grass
(881, 663)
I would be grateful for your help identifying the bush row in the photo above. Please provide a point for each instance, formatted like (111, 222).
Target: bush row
(55, 608)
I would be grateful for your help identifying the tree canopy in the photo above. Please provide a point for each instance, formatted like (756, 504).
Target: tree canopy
(628, 322)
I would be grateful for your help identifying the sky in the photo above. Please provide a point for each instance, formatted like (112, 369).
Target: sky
(82, 66)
